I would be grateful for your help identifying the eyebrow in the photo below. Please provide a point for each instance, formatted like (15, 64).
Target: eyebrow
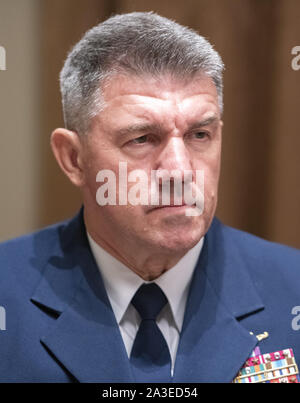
(139, 128)
(157, 128)
(203, 123)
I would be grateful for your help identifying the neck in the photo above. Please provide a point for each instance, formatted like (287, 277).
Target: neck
(147, 262)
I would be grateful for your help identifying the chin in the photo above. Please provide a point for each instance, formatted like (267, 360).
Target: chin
(182, 235)
(178, 246)
(178, 241)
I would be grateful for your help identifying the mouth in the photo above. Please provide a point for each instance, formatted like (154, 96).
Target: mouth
(171, 208)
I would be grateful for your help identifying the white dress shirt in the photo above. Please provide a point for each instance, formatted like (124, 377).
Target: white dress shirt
(121, 283)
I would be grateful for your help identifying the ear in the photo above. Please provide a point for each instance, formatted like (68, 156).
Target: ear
(68, 151)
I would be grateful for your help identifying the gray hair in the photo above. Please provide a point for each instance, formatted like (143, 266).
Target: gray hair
(137, 43)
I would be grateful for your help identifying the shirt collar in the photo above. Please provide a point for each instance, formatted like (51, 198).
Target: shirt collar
(176, 281)
(121, 283)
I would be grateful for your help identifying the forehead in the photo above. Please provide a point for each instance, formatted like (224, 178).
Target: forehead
(165, 99)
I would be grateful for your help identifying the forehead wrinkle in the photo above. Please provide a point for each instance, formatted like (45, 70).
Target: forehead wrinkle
(199, 116)
(162, 118)
(164, 111)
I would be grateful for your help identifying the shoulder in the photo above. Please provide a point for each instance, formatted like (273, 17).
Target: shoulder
(262, 257)
(260, 248)
(22, 259)
(257, 245)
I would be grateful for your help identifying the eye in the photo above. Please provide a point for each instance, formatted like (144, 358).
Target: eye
(141, 144)
(140, 140)
(201, 135)
(199, 138)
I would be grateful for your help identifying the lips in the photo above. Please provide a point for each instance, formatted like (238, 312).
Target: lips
(170, 207)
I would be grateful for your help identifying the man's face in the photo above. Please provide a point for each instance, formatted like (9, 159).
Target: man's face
(154, 124)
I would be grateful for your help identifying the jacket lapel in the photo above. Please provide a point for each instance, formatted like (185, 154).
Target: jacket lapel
(214, 344)
(85, 337)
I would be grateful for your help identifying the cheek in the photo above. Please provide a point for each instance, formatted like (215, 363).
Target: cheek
(211, 182)
(96, 162)
(123, 219)
(211, 170)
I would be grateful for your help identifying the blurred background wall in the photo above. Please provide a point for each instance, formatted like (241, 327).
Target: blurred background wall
(259, 189)
(20, 130)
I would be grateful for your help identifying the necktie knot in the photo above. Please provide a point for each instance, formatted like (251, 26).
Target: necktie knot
(149, 300)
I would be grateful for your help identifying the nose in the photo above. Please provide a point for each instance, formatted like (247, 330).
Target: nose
(171, 170)
(174, 156)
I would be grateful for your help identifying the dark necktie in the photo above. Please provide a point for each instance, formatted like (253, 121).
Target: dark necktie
(150, 356)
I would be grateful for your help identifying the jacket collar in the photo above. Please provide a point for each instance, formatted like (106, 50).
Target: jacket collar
(86, 339)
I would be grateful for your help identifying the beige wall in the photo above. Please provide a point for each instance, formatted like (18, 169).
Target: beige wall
(19, 117)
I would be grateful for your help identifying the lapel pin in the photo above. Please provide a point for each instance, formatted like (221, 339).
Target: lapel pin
(261, 336)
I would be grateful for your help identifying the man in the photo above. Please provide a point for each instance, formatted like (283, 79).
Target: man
(143, 292)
